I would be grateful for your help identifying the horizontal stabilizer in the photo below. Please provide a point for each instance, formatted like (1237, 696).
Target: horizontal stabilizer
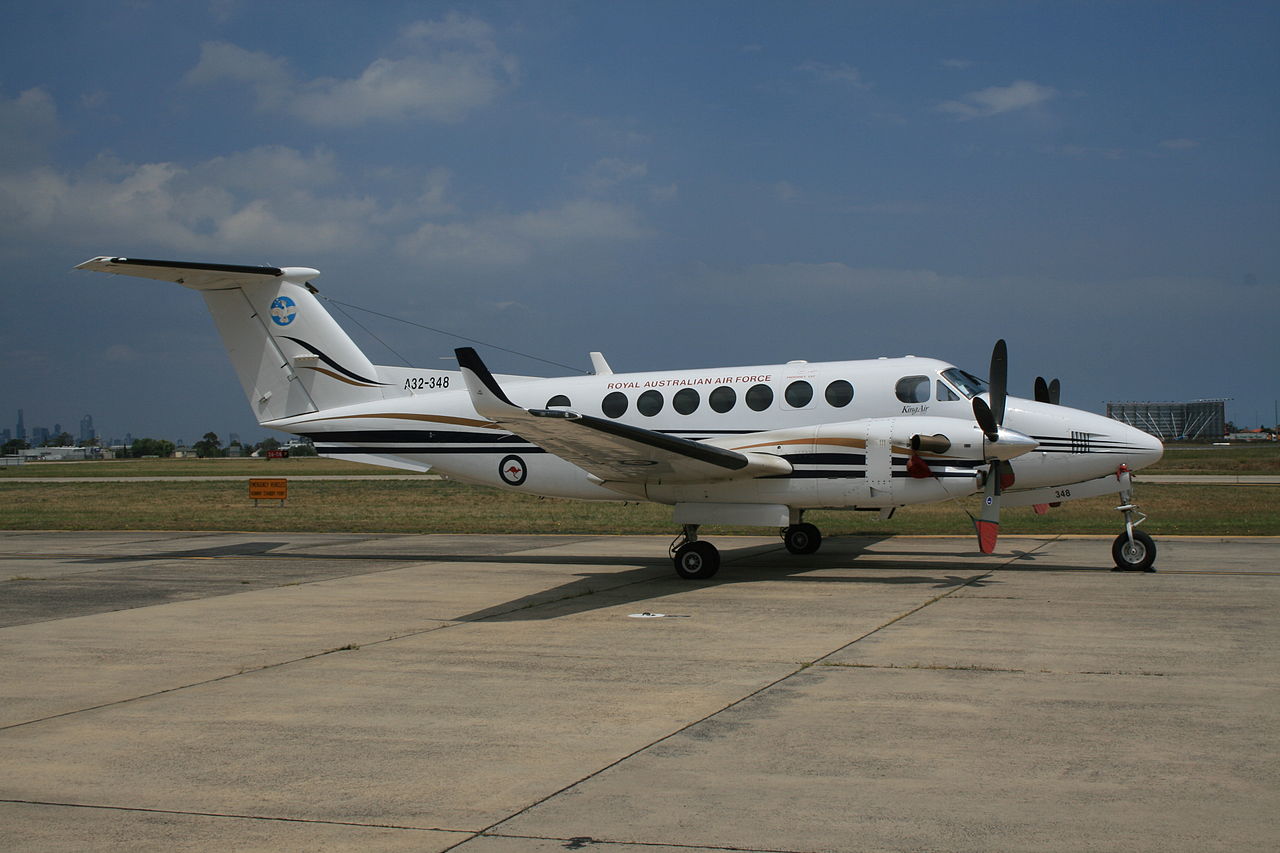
(197, 276)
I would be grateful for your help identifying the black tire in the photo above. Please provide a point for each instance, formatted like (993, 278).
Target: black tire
(696, 561)
(802, 538)
(1136, 557)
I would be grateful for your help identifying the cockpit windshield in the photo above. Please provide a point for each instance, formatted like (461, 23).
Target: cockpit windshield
(968, 384)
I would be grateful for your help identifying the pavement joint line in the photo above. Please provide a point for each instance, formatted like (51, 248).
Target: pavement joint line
(445, 624)
(977, 668)
(227, 676)
(231, 815)
(587, 839)
(758, 691)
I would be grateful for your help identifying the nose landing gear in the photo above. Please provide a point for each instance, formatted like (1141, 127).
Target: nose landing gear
(1133, 550)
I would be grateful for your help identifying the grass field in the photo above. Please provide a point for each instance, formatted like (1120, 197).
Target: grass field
(292, 467)
(436, 506)
(1261, 458)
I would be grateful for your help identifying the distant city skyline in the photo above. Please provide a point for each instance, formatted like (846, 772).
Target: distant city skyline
(38, 434)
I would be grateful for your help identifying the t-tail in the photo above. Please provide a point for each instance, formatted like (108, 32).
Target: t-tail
(291, 356)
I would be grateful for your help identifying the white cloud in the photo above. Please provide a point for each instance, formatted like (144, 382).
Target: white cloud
(269, 78)
(841, 73)
(786, 191)
(120, 206)
(609, 172)
(270, 169)
(442, 71)
(506, 240)
(1019, 95)
(28, 123)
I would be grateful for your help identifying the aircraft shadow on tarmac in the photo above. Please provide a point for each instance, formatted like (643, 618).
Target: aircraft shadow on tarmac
(646, 579)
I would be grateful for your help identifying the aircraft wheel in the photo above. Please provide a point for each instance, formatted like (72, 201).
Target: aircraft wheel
(1136, 556)
(802, 538)
(696, 561)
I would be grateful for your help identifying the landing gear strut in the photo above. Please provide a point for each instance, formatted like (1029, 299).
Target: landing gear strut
(693, 558)
(1133, 550)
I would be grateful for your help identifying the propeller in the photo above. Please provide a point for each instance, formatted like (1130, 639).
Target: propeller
(1048, 392)
(1001, 446)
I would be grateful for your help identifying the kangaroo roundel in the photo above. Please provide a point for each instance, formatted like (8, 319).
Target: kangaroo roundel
(513, 471)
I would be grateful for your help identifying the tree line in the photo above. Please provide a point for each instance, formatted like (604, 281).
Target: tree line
(208, 447)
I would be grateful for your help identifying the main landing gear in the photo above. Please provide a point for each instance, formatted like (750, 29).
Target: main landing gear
(1133, 550)
(801, 538)
(696, 559)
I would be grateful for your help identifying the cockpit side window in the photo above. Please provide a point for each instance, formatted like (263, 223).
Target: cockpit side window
(913, 389)
(968, 384)
(945, 394)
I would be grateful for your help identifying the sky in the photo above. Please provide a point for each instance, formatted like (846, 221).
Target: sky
(676, 184)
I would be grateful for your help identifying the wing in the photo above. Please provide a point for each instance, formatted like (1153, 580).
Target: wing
(609, 450)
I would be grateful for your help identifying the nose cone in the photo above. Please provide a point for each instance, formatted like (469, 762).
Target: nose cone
(1123, 443)
(1147, 448)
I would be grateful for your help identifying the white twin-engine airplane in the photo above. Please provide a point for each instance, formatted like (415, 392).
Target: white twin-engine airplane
(755, 446)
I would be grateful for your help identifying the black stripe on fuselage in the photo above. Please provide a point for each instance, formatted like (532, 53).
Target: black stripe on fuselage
(392, 450)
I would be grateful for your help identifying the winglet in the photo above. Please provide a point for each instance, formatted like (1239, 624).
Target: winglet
(487, 396)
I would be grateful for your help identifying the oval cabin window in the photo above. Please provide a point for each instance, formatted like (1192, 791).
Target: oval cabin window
(759, 397)
(685, 401)
(722, 399)
(649, 403)
(614, 405)
(798, 394)
(839, 394)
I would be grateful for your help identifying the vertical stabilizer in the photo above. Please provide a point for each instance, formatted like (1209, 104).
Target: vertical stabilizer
(291, 356)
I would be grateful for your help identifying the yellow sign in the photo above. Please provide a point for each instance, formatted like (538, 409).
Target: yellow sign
(268, 489)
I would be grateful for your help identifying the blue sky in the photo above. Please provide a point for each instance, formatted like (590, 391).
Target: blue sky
(676, 184)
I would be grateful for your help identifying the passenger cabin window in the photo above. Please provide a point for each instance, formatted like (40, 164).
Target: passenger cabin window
(559, 400)
(649, 403)
(798, 394)
(685, 401)
(614, 405)
(913, 389)
(759, 397)
(839, 394)
(722, 399)
(945, 394)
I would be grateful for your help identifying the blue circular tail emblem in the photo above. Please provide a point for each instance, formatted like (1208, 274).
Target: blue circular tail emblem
(283, 310)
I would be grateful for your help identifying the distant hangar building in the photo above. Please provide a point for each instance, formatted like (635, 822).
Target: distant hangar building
(1197, 419)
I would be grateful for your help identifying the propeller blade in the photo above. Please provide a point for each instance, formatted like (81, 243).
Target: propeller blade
(986, 420)
(1055, 391)
(1042, 390)
(999, 379)
(988, 524)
